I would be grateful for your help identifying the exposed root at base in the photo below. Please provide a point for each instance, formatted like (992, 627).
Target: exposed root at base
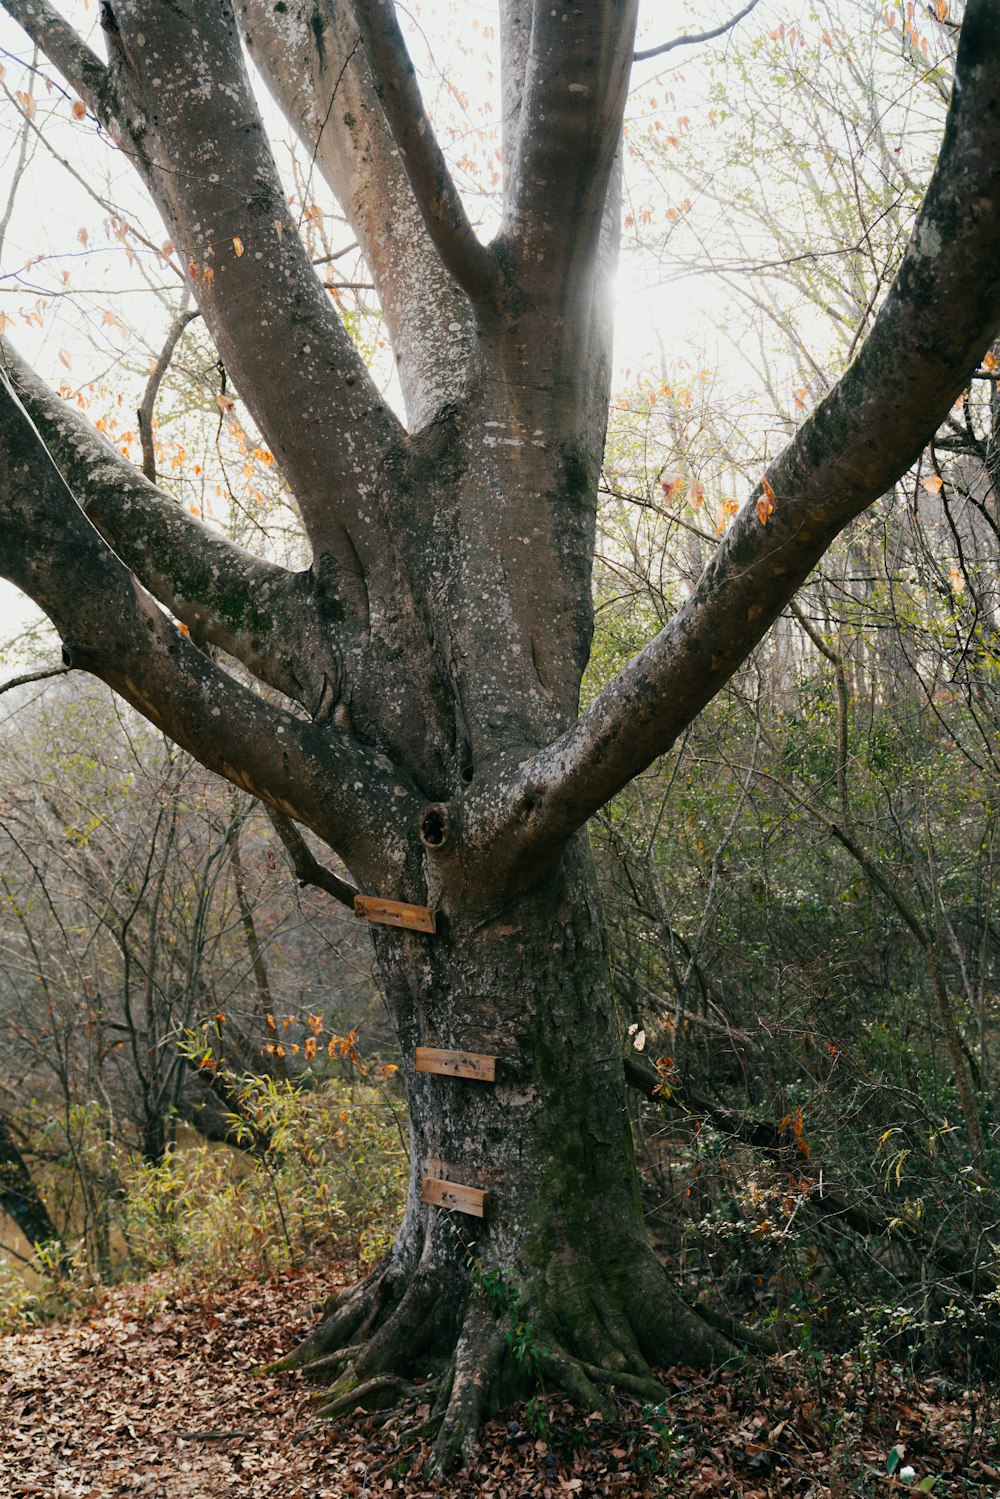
(397, 1346)
(373, 1394)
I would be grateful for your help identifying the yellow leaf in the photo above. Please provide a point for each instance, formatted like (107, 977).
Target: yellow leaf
(989, 361)
(224, 403)
(5, 321)
(79, 109)
(237, 244)
(957, 579)
(727, 509)
(941, 10)
(27, 103)
(65, 358)
(279, 229)
(933, 483)
(83, 236)
(765, 505)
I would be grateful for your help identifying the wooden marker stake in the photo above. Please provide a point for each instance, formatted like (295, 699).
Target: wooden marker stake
(454, 1195)
(394, 913)
(456, 1063)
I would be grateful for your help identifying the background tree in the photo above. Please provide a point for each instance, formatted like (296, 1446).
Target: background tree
(419, 681)
(800, 898)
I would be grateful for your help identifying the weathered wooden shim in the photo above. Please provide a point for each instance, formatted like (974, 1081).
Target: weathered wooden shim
(456, 1063)
(454, 1195)
(394, 913)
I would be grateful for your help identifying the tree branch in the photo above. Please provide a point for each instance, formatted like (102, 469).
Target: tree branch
(573, 101)
(146, 406)
(305, 866)
(395, 81)
(692, 38)
(310, 57)
(34, 676)
(64, 48)
(938, 317)
(204, 156)
(256, 611)
(355, 800)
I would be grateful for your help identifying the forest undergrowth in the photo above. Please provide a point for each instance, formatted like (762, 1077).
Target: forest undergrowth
(150, 1385)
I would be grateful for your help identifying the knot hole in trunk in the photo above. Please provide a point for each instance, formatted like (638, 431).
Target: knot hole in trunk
(435, 826)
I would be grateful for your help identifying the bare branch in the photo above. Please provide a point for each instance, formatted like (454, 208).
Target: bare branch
(18, 173)
(694, 37)
(146, 405)
(463, 254)
(305, 866)
(34, 676)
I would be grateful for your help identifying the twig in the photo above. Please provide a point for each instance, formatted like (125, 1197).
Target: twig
(145, 411)
(700, 36)
(34, 676)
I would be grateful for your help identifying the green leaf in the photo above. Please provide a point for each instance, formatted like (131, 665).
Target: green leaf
(893, 1461)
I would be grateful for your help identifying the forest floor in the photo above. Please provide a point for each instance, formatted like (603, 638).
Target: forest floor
(153, 1395)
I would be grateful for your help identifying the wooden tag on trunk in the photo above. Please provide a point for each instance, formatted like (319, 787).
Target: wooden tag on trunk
(394, 913)
(456, 1063)
(454, 1195)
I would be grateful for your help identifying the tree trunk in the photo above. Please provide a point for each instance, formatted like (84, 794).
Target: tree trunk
(20, 1200)
(557, 1280)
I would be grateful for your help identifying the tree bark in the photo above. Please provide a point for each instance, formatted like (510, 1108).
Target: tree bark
(557, 1281)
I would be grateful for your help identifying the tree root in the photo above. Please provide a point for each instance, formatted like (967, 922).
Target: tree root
(371, 1394)
(350, 1313)
(639, 1385)
(478, 1356)
(398, 1345)
(571, 1376)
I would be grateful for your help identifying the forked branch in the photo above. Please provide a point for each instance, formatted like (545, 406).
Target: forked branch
(113, 628)
(939, 316)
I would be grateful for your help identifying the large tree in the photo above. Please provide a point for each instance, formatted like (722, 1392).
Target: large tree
(412, 696)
